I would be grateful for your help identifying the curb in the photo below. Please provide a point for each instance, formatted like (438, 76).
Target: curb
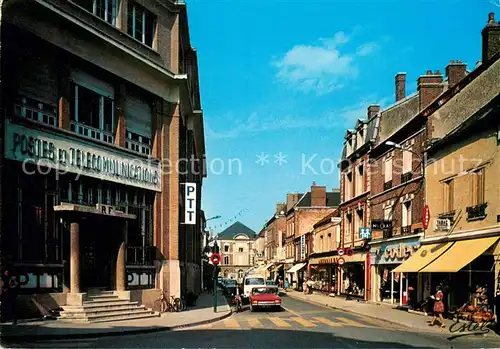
(113, 333)
(350, 311)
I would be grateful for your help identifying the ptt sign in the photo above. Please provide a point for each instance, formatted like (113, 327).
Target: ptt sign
(190, 203)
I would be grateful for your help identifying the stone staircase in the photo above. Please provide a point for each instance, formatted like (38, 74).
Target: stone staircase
(105, 306)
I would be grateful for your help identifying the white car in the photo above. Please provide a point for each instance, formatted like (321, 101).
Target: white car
(250, 282)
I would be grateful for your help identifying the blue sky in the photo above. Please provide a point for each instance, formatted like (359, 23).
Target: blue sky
(290, 77)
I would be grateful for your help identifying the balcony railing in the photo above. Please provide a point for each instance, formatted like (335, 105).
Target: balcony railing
(387, 233)
(388, 185)
(476, 212)
(37, 111)
(92, 132)
(138, 143)
(405, 177)
(406, 230)
(141, 255)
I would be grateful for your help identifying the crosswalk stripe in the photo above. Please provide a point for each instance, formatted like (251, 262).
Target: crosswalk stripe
(279, 322)
(231, 323)
(327, 322)
(351, 322)
(303, 322)
(254, 323)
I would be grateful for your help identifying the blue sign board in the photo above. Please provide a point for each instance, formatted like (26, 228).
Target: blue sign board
(395, 252)
(365, 233)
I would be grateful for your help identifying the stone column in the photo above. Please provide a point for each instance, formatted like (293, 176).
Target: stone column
(120, 261)
(75, 258)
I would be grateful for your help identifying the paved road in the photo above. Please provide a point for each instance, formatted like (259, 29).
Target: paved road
(299, 325)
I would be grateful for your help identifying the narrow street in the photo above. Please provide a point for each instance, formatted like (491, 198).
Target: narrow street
(299, 325)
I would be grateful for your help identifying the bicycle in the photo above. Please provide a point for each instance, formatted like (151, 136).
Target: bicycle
(172, 305)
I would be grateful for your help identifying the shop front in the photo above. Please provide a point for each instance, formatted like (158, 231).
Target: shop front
(325, 274)
(353, 276)
(386, 256)
(466, 268)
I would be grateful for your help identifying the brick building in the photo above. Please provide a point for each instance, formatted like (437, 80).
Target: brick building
(354, 207)
(300, 219)
(323, 261)
(90, 117)
(236, 245)
(461, 241)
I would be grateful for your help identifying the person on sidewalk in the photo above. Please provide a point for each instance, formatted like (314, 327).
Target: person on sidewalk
(438, 307)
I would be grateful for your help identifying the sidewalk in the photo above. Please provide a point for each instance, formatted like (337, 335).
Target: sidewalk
(201, 314)
(384, 312)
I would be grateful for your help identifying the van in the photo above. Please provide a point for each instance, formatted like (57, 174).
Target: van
(250, 282)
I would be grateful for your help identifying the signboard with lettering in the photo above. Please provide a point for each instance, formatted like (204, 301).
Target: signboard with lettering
(50, 150)
(302, 247)
(394, 253)
(190, 203)
(443, 224)
(381, 224)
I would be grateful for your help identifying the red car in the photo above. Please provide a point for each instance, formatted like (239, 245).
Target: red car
(265, 297)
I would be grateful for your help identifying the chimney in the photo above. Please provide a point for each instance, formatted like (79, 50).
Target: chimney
(318, 195)
(281, 206)
(491, 38)
(373, 110)
(400, 86)
(291, 199)
(455, 71)
(429, 86)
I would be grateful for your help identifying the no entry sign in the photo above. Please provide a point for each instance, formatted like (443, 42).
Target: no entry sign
(215, 258)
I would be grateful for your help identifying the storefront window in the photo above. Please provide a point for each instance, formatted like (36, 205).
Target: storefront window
(389, 281)
(354, 279)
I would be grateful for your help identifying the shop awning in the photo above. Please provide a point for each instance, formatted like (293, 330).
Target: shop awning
(296, 268)
(422, 257)
(459, 255)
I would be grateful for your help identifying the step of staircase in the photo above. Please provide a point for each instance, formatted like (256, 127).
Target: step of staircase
(103, 307)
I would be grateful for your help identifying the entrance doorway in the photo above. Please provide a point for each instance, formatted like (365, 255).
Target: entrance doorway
(99, 243)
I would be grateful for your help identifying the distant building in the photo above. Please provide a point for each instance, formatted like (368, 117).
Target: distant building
(236, 245)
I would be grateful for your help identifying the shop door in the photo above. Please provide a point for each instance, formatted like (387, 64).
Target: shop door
(98, 244)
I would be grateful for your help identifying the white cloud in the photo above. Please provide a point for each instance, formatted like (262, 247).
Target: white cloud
(342, 118)
(367, 49)
(321, 68)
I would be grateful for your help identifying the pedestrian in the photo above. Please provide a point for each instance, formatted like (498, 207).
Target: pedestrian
(10, 287)
(287, 284)
(438, 307)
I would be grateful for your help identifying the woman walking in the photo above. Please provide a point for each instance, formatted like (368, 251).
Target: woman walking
(438, 308)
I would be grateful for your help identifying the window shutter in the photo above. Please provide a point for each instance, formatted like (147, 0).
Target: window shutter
(388, 170)
(88, 81)
(138, 118)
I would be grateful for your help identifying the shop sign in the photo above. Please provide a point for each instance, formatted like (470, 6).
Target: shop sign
(381, 224)
(190, 203)
(106, 209)
(66, 154)
(302, 247)
(443, 224)
(426, 216)
(395, 253)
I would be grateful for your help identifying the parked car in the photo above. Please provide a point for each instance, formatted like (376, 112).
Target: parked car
(265, 297)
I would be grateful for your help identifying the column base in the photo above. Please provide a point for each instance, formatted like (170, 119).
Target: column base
(170, 277)
(75, 298)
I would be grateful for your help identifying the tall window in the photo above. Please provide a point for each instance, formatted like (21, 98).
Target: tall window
(478, 187)
(448, 196)
(240, 249)
(388, 170)
(388, 213)
(226, 259)
(104, 9)
(407, 159)
(406, 214)
(348, 186)
(360, 183)
(141, 24)
(359, 223)
(348, 228)
(92, 108)
(226, 248)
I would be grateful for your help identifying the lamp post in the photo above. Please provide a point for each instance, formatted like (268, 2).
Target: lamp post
(202, 272)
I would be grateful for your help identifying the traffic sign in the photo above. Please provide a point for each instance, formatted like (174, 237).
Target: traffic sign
(426, 216)
(340, 251)
(215, 258)
(341, 261)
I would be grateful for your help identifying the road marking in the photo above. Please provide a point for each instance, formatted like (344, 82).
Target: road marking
(351, 322)
(278, 322)
(254, 323)
(291, 312)
(303, 322)
(231, 323)
(328, 322)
